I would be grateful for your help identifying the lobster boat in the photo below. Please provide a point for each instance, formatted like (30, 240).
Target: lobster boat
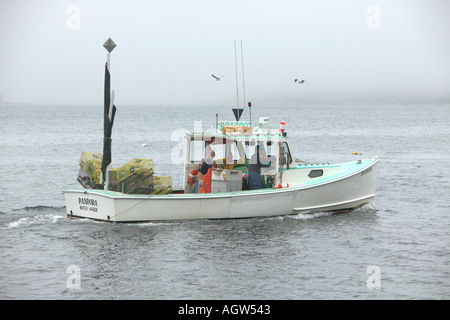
(289, 185)
(237, 171)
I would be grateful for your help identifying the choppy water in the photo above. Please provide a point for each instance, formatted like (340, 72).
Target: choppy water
(396, 248)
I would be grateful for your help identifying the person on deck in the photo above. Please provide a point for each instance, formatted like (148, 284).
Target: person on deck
(205, 172)
(254, 169)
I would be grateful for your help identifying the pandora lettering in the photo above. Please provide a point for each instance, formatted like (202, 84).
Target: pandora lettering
(87, 204)
(87, 201)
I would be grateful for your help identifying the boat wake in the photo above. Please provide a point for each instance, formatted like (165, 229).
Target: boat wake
(307, 216)
(33, 220)
(40, 208)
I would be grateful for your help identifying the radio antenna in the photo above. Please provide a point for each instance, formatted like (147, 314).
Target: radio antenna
(243, 78)
(237, 86)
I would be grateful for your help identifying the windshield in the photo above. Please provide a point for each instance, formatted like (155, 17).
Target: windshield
(231, 150)
(266, 148)
(223, 149)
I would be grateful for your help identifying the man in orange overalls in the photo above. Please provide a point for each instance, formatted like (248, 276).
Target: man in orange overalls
(205, 172)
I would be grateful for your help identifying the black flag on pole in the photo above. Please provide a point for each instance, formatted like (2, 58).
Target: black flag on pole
(109, 113)
(237, 113)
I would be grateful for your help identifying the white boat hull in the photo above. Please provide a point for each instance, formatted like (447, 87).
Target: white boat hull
(343, 193)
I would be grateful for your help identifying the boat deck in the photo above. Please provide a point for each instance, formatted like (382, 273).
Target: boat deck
(343, 170)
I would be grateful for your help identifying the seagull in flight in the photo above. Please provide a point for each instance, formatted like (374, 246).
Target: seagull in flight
(301, 82)
(217, 78)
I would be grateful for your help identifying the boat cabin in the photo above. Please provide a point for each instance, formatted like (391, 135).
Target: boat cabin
(233, 149)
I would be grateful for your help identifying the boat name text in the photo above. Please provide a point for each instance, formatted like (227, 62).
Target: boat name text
(233, 123)
(88, 204)
(366, 171)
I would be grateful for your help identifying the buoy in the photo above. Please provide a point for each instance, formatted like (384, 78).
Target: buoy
(435, 139)
(282, 126)
(356, 153)
(283, 185)
(192, 177)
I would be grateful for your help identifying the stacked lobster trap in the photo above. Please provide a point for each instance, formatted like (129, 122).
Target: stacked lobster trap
(136, 176)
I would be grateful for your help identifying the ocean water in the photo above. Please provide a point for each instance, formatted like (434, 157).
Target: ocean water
(398, 247)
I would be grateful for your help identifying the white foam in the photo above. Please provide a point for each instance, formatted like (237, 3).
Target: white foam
(306, 216)
(37, 219)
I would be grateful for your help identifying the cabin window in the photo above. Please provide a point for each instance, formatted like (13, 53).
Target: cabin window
(197, 150)
(219, 150)
(222, 149)
(285, 154)
(266, 148)
(271, 148)
(249, 148)
(235, 151)
(227, 151)
(315, 173)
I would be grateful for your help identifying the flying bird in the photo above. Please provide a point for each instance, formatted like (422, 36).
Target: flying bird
(301, 82)
(217, 78)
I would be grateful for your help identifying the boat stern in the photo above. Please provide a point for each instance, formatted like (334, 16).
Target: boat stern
(83, 204)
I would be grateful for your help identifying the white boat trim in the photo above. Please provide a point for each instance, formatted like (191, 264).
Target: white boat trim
(338, 204)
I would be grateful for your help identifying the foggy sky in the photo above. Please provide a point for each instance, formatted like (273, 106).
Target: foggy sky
(348, 51)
